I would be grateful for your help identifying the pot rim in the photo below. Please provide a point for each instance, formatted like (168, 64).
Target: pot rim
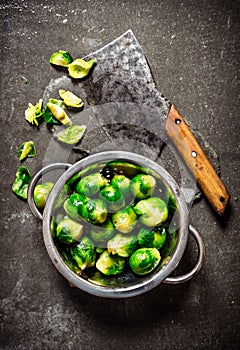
(155, 278)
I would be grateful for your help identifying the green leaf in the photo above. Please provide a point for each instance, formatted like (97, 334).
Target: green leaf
(27, 149)
(21, 182)
(33, 113)
(72, 134)
(79, 68)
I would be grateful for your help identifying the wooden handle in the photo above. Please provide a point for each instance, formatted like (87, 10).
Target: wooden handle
(196, 160)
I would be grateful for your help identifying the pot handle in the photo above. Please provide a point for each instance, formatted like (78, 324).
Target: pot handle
(34, 181)
(197, 267)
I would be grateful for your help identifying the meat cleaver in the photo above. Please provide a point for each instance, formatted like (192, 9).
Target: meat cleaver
(123, 74)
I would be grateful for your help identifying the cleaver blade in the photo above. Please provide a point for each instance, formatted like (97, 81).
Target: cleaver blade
(124, 75)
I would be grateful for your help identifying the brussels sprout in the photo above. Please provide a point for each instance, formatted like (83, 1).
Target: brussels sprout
(94, 211)
(33, 113)
(153, 211)
(122, 245)
(72, 134)
(91, 184)
(102, 232)
(144, 260)
(21, 182)
(70, 99)
(84, 253)
(27, 149)
(79, 68)
(71, 205)
(41, 193)
(61, 58)
(57, 112)
(121, 182)
(142, 186)
(113, 197)
(125, 220)
(68, 231)
(152, 239)
(110, 265)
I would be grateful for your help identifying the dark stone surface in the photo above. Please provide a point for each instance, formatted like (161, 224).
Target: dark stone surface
(193, 49)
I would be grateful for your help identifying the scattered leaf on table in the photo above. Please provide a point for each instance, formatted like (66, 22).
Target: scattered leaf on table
(70, 99)
(61, 58)
(79, 68)
(27, 149)
(72, 134)
(33, 113)
(21, 182)
(58, 113)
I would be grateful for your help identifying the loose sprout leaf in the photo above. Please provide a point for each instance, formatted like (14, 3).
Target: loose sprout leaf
(79, 68)
(59, 113)
(33, 113)
(21, 182)
(72, 134)
(48, 115)
(27, 149)
(70, 99)
(61, 58)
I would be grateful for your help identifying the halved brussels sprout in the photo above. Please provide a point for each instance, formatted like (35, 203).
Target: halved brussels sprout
(79, 68)
(72, 134)
(33, 113)
(122, 245)
(21, 182)
(94, 211)
(153, 211)
(125, 220)
(41, 193)
(142, 186)
(84, 253)
(103, 232)
(27, 149)
(152, 239)
(61, 58)
(121, 182)
(91, 184)
(113, 197)
(69, 231)
(144, 260)
(110, 265)
(70, 99)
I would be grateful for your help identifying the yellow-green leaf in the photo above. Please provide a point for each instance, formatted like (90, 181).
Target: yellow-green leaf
(70, 99)
(59, 113)
(72, 134)
(32, 113)
(79, 68)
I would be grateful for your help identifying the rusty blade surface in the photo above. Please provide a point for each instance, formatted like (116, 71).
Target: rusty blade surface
(122, 74)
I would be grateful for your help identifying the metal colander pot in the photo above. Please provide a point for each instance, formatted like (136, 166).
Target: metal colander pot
(124, 286)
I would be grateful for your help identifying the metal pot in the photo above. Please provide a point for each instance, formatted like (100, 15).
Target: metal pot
(135, 285)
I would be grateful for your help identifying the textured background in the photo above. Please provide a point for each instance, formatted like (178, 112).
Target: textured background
(193, 49)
